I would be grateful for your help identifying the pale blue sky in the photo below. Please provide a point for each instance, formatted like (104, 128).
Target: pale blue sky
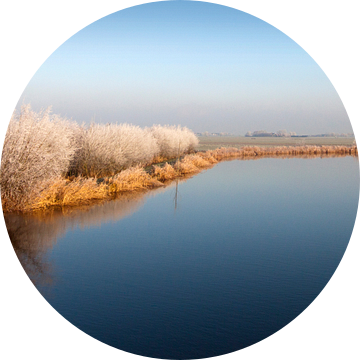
(206, 66)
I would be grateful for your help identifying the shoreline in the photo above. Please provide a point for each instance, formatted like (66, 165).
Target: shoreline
(214, 142)
(79, 191)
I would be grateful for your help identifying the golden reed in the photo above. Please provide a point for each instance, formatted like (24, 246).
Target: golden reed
(76, 191)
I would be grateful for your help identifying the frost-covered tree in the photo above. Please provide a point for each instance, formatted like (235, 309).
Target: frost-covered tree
(282, 133)
(38, 147)
(108, 149)
(174, 140)
(138, 145)
(98, 151)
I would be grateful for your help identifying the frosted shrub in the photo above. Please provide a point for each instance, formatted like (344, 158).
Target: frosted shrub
(188, 139)
(41, 149)
(108, 149)
(173, 140)
(138, 145)
(37, 149)
(98, 151)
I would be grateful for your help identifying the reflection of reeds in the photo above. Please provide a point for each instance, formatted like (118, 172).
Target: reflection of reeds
(33, 234)
(83, 191)
(31, 239)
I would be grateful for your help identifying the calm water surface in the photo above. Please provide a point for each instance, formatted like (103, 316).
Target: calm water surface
(248, 247)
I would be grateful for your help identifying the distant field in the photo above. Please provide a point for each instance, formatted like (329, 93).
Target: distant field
(213, 142)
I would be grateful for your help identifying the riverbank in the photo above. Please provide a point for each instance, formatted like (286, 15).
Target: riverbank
(214, 142)
(77, 191)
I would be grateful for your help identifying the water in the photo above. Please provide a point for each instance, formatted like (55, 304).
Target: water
(207, 267)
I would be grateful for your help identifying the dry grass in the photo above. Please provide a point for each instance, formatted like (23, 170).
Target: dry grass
(185, 167)
(159, 159)
(165, 173)
(197, 160)
(77, 191)
(215, 142)
(82, 191)
(208, 157)
(188, 165)
(256, 151)
(132, 179)
(70, 193)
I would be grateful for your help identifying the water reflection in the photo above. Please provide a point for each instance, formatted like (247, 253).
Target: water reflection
(249, 248)
(34, 234)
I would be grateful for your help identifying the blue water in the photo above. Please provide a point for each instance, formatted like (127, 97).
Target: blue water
(248, 247)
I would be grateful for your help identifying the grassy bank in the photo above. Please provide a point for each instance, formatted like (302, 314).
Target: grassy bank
(215, 142)
(306, 150)
(75, 191)
(42, 150)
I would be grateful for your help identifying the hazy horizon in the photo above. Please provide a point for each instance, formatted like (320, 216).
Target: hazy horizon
(205, 66)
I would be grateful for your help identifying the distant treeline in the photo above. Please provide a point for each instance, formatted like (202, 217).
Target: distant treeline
(206, 133)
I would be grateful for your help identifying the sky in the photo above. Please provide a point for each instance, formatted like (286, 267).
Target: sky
(201, 65)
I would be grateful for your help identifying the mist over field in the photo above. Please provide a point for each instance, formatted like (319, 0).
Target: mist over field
(201, 65)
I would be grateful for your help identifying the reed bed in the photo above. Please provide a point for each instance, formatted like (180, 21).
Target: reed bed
(208, 156)
(165, 173)
(77, 191)
(256, 151)
(185, 166)
(63, 192)
(132, 179)
(83, 191)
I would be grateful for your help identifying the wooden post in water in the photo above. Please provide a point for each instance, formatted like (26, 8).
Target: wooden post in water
(177, 181)
(176, 194)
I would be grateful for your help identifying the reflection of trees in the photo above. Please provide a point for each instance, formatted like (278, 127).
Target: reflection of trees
(31, 239)
(95, 215)
(34, 234)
